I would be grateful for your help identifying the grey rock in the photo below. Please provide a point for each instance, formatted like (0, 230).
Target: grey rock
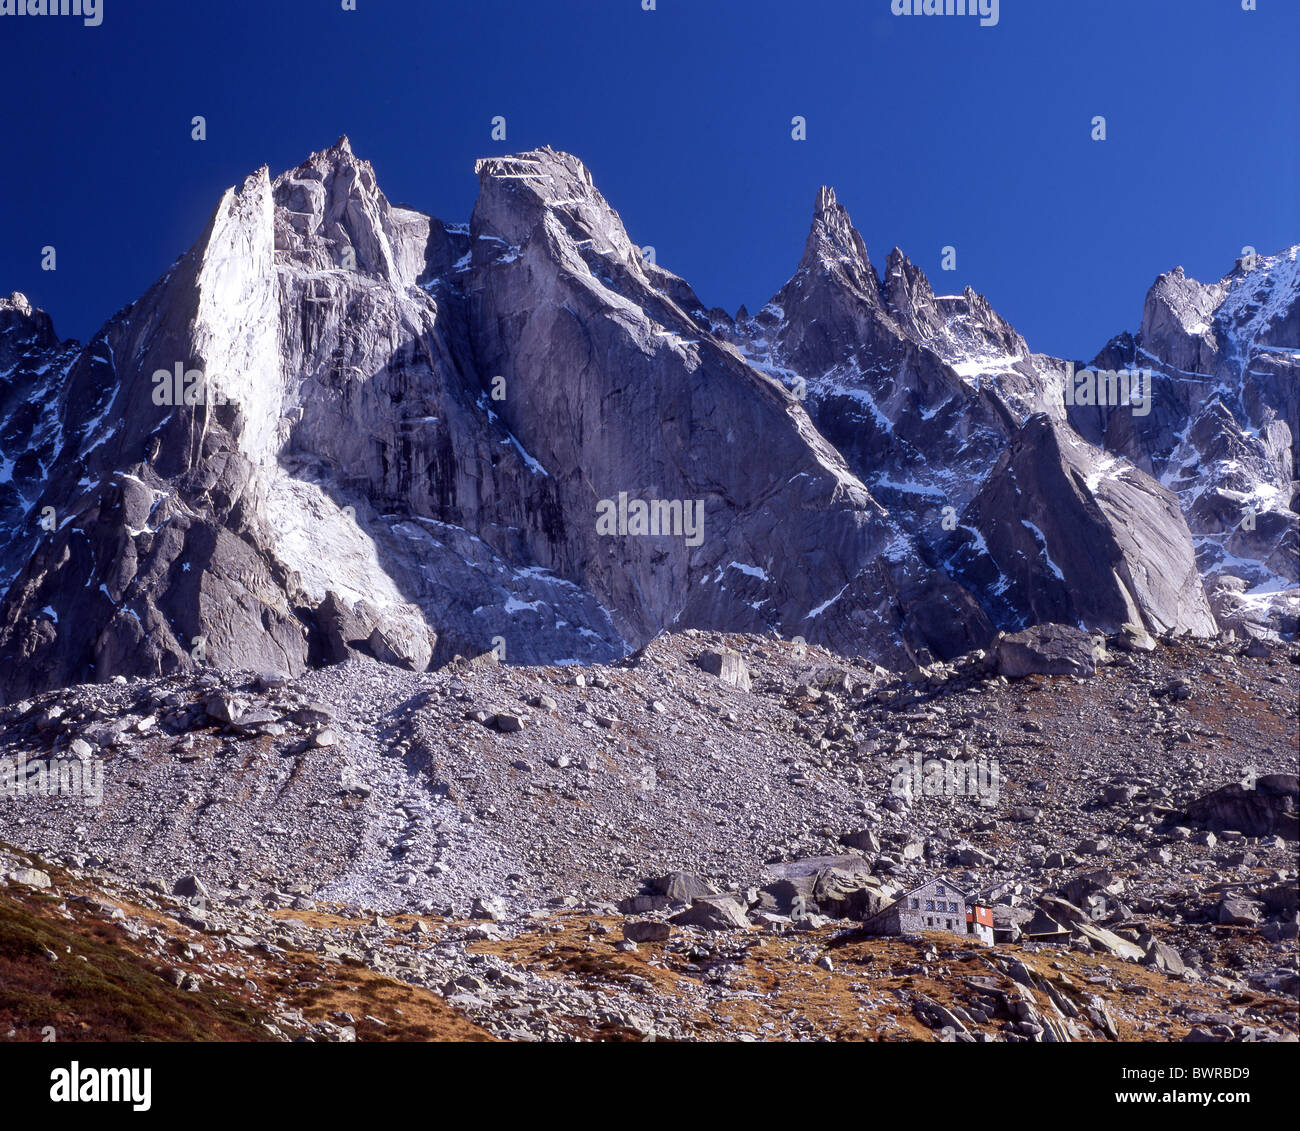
(1220, 450)
(971, 857)
(1134, 638)
(1267, 809)
(223, 708)
(1048, 649)
(493, 908)
(1076, 537)
(714, 913)
(255, 722)
(1163, 957)
(1239, 913)
(727, 666)
(397, 635)
(190, 887)
(849, 893)
(647, 930)
(681, 887)
(864, 841)
(368, 428)
(1119, 793)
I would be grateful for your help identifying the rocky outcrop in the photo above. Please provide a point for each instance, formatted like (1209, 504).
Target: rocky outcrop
(33, 397)
(1062, 532)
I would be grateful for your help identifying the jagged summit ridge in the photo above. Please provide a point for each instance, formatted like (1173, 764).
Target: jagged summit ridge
(410, 427)
(349, 482)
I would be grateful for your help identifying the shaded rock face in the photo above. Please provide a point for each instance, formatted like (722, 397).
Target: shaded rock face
(397, 636)
(33, 399)
(1062, 532)
(339, 425)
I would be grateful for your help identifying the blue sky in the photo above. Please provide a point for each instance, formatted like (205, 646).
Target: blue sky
(934, 131)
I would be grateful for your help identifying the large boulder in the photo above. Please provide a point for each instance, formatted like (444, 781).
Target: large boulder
(1080, 923)
(680, 887)
(1162, 956)
(1008, 922)
(727, 665)
(849, 894)
(714, 913)
(397, 635)
(1239, 913)
(646, 930)
(864, 840)
(1046, 649)
(1268, 808)
(840, 886)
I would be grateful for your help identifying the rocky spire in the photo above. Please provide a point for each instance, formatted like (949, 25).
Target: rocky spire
(340, 217)
(516, 192)
(834, 245)
(908, 293)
